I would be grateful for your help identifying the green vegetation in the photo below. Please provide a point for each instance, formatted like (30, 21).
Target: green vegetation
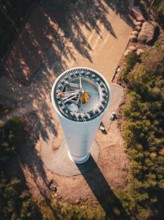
(157, 7)
(12, 135)
(55, 209)
(131, 61)
(15, 200)
(4, 110)
(12, 15)
(143, 131)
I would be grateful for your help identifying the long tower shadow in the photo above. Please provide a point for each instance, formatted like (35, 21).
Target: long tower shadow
(102, 191)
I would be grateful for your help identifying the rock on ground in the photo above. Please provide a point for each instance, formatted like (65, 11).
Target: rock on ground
(147, 33)
(139, 51)
(135, 33)
(133, 39)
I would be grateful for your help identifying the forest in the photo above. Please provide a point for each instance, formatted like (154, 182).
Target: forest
(143, 128)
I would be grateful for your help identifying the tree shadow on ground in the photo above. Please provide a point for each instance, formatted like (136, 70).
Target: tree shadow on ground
(102, 191)
(32, 104)
(28, 166)
(44, 47)
(48, 42)
(122, 8)
(28, 159)
(54, 30)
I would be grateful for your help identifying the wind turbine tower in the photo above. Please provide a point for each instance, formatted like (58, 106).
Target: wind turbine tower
(80, 97)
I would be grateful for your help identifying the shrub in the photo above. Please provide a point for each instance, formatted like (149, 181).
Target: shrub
(131, 61)
(15, 201)
(12, 138)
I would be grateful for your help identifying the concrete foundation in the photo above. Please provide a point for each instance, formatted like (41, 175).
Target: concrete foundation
(58, 161)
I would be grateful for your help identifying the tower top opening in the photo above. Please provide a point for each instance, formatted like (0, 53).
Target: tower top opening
(80, 94)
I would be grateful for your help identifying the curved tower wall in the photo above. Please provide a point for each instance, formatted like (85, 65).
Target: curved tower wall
(79, 135)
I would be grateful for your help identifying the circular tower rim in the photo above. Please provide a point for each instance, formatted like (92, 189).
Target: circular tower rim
(87, 76)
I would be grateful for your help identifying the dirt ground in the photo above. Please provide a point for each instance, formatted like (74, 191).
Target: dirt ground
(93, 34)
(111, 168)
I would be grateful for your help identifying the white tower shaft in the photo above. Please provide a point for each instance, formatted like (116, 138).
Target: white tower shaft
(79, 137)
